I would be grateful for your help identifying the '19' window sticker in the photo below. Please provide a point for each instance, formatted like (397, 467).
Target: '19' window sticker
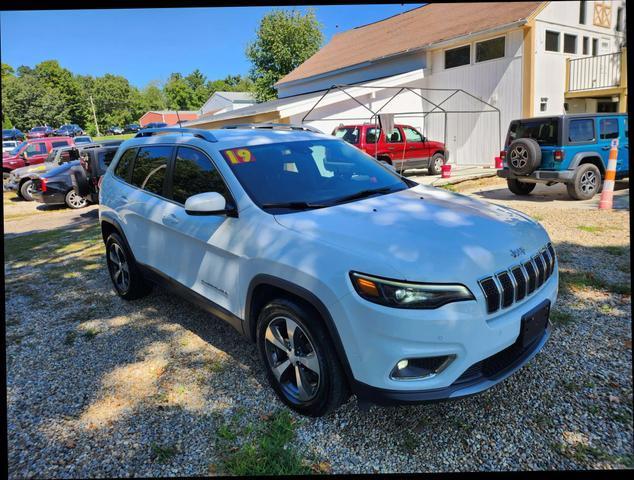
(238, 156)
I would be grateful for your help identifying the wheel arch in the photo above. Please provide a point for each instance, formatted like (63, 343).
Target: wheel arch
(264, 288)
(583, 158)
(111, 225)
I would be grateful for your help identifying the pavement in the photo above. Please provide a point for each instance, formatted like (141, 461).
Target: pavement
(459, 173)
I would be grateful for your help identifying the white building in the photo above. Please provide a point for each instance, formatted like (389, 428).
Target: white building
(221, 102)
(522, 58)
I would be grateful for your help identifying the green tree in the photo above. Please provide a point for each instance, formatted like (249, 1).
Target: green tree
(152, 97)
(178, 93)
(284, 40)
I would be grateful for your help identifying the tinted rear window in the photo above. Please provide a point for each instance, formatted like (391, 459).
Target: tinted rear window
(581, 130)
(149, 168)
(123, 167)
(544, 131)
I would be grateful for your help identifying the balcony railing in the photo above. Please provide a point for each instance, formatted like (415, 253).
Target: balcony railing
(591, 73)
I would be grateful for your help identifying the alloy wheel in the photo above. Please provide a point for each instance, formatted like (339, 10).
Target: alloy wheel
(75, 200)
(588, 182)
(293, 359)
(519, 157)
(438, 164)
(118, 266)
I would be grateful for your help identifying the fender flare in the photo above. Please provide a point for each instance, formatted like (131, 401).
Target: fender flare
(307, 296)
(579, 157)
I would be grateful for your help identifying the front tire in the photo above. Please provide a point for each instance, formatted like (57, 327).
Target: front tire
(300, 361)
(124, 273)
(435, 164)
(519, 188)
(585, 183)
(26, 190)
(74, 201)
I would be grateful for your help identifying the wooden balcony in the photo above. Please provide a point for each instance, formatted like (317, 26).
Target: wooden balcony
(600, 75)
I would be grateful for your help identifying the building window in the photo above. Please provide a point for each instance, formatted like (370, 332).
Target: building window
(582, 12)
(490, 49)
(619, 19)
(595, 47)
(570, 43)
(458, 56)
(581, 130)
(552, 41)
(585, 45)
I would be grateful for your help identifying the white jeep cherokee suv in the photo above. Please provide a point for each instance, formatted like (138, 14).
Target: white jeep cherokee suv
(350, 278)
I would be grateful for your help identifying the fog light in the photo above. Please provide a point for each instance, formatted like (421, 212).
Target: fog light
(417, 368)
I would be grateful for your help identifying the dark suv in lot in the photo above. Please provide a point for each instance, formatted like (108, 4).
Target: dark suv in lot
(569, 149)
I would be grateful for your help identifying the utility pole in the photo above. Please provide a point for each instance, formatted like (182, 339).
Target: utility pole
(94, 115)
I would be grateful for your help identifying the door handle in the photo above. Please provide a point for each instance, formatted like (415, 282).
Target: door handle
(391, 148)
(605, 148)
(170, 219)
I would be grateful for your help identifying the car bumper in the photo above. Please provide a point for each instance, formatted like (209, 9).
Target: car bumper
(49, 197)
(540, 176)
(376, 338)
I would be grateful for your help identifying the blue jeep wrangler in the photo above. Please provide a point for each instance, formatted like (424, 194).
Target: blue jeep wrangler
(570, 149)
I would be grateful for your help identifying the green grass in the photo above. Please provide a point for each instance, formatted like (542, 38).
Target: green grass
(579, 280)
(561, 318)
(615, 250)
(70, 338)
(590, 228)
(91, 333)
(163, 453)
(113, 137)
(410, 441)
(451, 188)
(270, 452)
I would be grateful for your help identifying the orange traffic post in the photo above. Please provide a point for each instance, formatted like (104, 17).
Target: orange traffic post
(610, 175)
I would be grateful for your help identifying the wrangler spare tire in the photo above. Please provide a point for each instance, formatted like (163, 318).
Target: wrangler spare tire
(524, 156)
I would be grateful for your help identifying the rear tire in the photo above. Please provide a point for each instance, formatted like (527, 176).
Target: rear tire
(519, 188)
(586, 183)
(74, 201)
(524, 156)
(435, 164)
(124, 272)
(294, 344)
(26, 190)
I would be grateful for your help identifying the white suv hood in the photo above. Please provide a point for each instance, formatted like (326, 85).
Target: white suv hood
(441, 237)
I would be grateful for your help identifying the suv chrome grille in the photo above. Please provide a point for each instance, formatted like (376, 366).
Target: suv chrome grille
(519, 281)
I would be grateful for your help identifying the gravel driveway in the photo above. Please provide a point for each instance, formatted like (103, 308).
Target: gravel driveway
(97, 386)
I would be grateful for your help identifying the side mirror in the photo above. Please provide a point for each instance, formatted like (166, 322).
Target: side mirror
(208, 203)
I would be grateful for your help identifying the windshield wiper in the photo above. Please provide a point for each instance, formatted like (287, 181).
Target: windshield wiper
(294, 205)
(362, 194)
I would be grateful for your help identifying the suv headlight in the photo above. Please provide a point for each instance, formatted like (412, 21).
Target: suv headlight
(393, 293)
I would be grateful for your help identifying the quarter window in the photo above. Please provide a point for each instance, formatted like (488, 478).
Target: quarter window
(194, 173)
(570, 43)
(552, 41)
(123, 167)
(490, 49)
(609, 128)
(458, 56)
(149, 168)
(581, 130)
(412, 135)
(59, 144)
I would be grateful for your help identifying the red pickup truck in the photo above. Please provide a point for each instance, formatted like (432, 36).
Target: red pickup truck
(405, 147)
(32, 151)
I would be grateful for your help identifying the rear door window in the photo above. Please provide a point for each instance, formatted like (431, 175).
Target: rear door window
(395, 136)
(609, 128)
(122, 169)
(412, 135)
(348, 134)
(581, 130)
(195, 173)
(150, 165)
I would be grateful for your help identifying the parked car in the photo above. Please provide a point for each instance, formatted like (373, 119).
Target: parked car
(31, 152)
(348, 276)
(12, 134)
(114, 130)
(405, 147)
(131, 128)
(56, 188)
(21, 179)
(93, 165)
(569, 149)
(70, 130)
(40, 132)
(155, 125)
(8, 145)
(83, 139)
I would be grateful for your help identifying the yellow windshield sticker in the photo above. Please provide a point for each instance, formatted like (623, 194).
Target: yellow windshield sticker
(236, 156)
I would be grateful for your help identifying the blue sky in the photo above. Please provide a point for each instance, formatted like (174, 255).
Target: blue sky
(149, 44)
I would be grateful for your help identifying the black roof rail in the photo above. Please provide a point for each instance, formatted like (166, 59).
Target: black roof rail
(274, 126)
(196, 132)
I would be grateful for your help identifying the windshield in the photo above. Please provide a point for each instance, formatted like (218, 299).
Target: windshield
(309, 174)
(17, 149)
(544, 131)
